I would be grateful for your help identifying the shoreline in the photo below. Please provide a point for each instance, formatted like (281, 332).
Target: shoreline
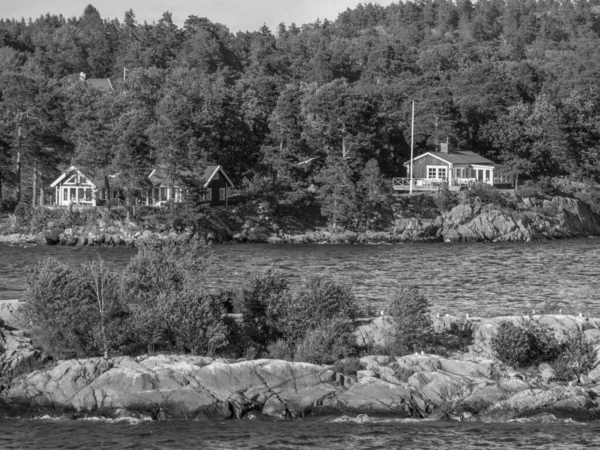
(470, 387)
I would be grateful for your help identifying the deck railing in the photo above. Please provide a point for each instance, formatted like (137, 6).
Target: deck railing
(429, 184)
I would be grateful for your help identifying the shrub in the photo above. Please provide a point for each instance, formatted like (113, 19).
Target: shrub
(348, 366)
(456, 338)
(281, 349)
(319, 301)
(327, 343)
(412, 328)
(195, 321)
(73, 311)
(446, 199)
(163, 281)
(489, 194)
(525, 344)
(259, 301)
(578, 357)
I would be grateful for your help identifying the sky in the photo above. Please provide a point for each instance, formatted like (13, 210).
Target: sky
(238, 15)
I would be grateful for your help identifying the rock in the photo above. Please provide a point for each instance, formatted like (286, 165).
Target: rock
(52, 236)
(275, 240)
(547, 372)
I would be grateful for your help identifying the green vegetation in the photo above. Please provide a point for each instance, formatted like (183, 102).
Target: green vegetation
(412, 329)
(530, 343)
(302, 116)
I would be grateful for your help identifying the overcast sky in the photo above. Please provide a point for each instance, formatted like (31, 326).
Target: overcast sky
(238, 15)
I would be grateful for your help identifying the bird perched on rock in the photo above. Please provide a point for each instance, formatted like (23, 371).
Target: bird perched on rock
(422, 352)
(447, 315)
(382, 313)
(467, 316)
(580, 315)
(438, 315)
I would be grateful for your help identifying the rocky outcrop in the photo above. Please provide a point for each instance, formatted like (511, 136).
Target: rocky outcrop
(469, 389)
(469, 386)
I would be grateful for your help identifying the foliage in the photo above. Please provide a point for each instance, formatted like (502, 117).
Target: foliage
(73, 311)
(412, 327)
(348, 366)
(327, 343)
(525, 344)
(321, 300)
(578, 357)
(169, 307)
(457, 338)
(259, 301)
(488, 194)
(280, 349)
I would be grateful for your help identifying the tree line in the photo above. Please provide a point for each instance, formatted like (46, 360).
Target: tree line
(302, 112)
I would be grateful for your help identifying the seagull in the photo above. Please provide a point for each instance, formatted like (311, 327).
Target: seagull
(416, 353)
(467, 315)
(382, 313)
(447, 315)
(580, 315)
(422, 352)
(307, 161)
(438, 315)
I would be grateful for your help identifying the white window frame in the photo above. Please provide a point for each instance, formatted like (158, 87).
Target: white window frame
(222, 194)
(437, 169)
(209, 194)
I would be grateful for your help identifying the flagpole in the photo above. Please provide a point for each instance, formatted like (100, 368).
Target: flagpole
(412, 138)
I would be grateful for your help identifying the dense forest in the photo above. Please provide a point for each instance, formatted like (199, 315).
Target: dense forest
(302, 111)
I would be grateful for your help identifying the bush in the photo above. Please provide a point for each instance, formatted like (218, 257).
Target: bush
(489, 194)
(319, 301)
(327, 343)
(578, 357)
(195, 321)
(73, 311)
(281, 349)
(162, 285)
(526, 344)
(348, 366)
(412, 328)
(259, 301)
(458, 337)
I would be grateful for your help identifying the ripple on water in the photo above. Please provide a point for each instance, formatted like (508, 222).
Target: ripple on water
(478, 278)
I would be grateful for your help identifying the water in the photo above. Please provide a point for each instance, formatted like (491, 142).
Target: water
(477, 278)
(482, 279)
(322, 433)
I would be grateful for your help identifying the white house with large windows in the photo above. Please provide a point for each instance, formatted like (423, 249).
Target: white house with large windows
(73, 187)
(457, 169)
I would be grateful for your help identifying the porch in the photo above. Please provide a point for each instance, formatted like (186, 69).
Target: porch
(431, 184)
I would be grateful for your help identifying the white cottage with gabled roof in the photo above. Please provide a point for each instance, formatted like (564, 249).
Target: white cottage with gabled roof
(431, 170)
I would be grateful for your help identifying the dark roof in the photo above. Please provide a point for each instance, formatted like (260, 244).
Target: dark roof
(159, 175)
(101, 83)
(462, 157)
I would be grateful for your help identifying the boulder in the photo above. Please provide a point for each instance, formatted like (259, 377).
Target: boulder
(52, 236)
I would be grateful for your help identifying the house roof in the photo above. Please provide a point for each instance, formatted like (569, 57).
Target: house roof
(99, 181)
(210, 173)
(159, 175)
(462, 157)
(102, 83)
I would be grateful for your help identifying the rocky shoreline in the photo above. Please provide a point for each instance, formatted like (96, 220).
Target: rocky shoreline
(469, 386)
(533, 220)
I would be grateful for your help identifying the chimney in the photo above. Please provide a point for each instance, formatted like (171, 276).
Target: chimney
(82, 76)
(444, 147)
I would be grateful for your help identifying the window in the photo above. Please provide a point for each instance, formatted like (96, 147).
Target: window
(208, 194)
(437, 171)
(65, 194)
(221, 194)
